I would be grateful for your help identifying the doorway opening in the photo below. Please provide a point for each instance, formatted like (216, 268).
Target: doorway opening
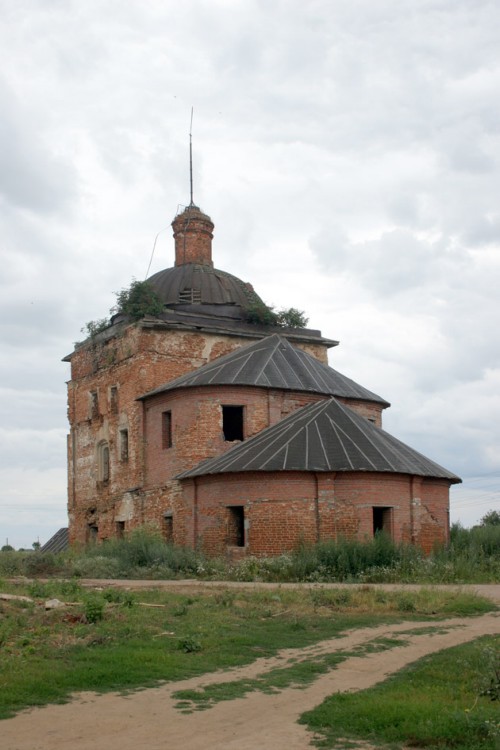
(382, 520)
(236, 526)
(168, 528)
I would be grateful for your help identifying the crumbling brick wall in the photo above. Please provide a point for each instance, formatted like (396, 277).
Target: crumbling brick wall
(107, 376)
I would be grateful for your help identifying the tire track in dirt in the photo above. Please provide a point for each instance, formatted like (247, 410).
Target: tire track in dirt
(149, 718)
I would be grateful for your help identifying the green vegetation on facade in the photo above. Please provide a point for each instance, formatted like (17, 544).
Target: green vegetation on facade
(137, 301)
(262, 314)
(140, 299)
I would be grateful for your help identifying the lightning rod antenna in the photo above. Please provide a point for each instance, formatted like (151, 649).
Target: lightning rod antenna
(191, 157)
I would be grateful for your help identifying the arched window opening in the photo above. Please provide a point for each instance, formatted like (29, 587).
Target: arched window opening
(103, 462)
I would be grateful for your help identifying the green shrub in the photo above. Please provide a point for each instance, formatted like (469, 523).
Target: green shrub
(119, 596)
(189, 644)
(95, 566)
(41, 564)
(94, 609)
(138, 300)
(12, 563)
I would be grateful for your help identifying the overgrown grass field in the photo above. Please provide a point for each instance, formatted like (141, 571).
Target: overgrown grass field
(115, 640)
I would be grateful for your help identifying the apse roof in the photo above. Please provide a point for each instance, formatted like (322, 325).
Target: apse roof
(325, 436)
(273, 362)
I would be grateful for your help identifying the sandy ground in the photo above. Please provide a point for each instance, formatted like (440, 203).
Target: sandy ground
(149, 718)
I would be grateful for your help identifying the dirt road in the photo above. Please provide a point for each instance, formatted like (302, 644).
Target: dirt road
(150, 719)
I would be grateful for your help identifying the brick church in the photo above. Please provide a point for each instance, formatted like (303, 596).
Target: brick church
(230, 436)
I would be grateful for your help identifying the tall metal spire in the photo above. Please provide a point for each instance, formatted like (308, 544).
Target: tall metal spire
(191, 158)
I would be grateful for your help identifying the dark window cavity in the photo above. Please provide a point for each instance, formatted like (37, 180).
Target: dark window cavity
(236, 526)
(232, 423)
(124, 445)
(113, 399)
(382, 520)
(94, 404)
(92, 532)
(168, 528)
(166, 429)
(103, 462)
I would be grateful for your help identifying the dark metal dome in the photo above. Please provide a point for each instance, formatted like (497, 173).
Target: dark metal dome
(192, 284)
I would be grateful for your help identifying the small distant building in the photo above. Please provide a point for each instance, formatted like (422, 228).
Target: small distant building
(230, 436)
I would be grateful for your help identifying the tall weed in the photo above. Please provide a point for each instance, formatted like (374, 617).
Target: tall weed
(472, 556)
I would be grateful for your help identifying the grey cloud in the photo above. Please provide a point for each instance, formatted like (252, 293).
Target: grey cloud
(482, 230)
(393, 263)
(24, 448)
(32, 176)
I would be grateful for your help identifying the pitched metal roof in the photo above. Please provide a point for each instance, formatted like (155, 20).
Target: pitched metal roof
(273, 362)
(57, 543)
(322, 437)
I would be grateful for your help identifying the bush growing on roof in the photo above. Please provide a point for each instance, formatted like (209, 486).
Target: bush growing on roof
(292, 318)
(138, 300)
(261, 314)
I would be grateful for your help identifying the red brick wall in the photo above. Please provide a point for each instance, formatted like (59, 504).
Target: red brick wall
(141, 490)
(283, 509)
(193, 233)
(368, 409)
(134, 361)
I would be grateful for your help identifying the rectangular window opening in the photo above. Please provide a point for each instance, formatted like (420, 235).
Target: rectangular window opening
(103, 462)
(94, 404)
(166, 429)
(168, 529)
(113, 399)
(232, 423)
(382, 520)
(124, 445)
(236, 526)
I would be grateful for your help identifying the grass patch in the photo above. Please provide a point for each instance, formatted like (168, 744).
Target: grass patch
(109, 640)
(441, 702)
(297, 675)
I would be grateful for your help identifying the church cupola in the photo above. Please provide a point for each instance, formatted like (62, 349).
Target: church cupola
(193, 234)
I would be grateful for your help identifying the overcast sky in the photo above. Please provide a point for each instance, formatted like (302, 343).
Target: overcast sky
(348, 152)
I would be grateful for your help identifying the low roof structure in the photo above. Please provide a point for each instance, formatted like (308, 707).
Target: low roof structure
(59, 542)
(325, 436)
